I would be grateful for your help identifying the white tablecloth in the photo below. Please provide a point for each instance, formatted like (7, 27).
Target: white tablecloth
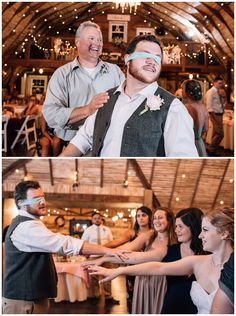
(72, 282)
(228, 140)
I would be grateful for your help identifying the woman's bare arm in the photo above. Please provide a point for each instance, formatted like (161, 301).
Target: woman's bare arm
(184, 266)
(126, 236)
(132, 258)
(139, 243)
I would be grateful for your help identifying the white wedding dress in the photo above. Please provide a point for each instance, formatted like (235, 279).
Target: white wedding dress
(201, 298)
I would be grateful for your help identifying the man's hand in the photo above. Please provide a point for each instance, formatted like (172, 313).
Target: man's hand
(97, 102)
(109, 274)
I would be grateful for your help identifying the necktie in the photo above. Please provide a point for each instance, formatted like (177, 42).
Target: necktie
(98, 235)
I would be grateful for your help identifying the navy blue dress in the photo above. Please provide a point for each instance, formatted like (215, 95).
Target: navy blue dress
(177, 299)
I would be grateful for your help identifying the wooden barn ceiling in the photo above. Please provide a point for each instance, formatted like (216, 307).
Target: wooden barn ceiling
(202, 183)
(211, 22)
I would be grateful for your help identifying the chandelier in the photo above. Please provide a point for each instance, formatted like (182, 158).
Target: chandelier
(127, 5)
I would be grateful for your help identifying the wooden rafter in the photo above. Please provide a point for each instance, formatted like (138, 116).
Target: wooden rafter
(174, 183)
(152, 172)
(197, 182)
(86, 197)
(144, 181)
(51, 171)
(102, 173)
(221, 183)
(15, 165)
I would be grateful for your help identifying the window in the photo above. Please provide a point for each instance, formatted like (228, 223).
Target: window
(145, 31)
(117, 32)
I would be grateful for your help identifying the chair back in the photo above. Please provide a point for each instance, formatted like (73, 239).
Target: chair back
(5, 120)
(28, 129)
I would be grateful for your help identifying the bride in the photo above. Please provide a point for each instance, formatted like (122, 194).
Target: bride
(217, 237)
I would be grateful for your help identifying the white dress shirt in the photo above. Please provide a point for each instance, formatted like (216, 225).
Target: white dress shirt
(91, 234)
(33, 236)
(178, 131)
(213, 101)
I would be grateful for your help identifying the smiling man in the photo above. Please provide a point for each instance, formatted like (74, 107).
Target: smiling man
(78, 88)
(140, 118)
(30, 275)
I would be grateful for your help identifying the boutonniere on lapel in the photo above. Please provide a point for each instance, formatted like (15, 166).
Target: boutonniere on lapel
(154, 103)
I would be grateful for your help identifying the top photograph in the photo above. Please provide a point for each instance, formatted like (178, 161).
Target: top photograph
(118, 79)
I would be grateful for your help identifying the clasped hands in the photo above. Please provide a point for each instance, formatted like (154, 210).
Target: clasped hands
(94, 266)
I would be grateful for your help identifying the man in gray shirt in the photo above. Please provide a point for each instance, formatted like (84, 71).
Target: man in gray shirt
(77, 89)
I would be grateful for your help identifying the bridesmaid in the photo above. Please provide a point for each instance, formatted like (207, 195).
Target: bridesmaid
(149, 291)
(142, 225)
(187, 227)
(217, 237)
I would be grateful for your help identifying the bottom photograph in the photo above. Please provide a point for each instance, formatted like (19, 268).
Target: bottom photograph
(117, 236)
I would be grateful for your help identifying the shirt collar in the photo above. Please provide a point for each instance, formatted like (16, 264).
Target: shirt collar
(101, 66)
(25, 213)
(150, 89)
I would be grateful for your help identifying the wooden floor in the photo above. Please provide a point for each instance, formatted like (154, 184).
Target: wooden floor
(87, 307)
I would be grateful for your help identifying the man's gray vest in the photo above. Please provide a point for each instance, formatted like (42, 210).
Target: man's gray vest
(143, 135)
(28, 275)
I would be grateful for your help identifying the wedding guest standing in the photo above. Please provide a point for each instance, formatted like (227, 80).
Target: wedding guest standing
(77, 89)
(142, 225)
(215, 107)
(192, 98)
(99, 234)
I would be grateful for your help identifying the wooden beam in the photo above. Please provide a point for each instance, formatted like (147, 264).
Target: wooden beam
(15, 165)
(75, 197)
(144, 181)
(221, 183)
(25, 171)
(102, 173)
(152, 172)
(174, 183)
(197, 182)
(51, 171)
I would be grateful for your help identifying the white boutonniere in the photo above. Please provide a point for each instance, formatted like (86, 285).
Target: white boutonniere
(154, 103)
(104, 69)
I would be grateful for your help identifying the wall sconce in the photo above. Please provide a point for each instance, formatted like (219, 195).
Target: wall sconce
(126, 183)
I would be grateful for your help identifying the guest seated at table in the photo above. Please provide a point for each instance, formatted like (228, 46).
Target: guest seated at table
(192, 98)
(50, 144)
(33, 107)
(8, 111)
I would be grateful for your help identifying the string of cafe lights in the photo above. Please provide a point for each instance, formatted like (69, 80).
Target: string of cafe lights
(103, 12)
(120, 214)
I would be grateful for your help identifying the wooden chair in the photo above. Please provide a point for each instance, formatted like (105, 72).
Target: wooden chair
(27, 129)
(5, 120)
